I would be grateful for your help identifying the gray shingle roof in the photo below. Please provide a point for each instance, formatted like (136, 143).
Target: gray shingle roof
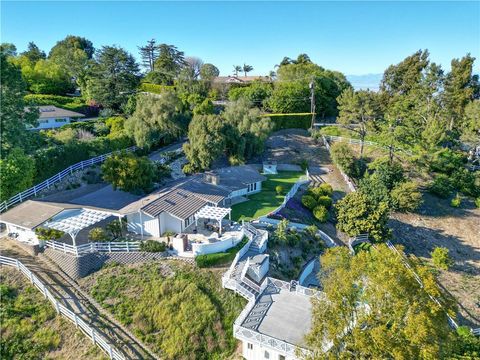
(50, 111)
(30, 214)
(178, 202)
(237, 177)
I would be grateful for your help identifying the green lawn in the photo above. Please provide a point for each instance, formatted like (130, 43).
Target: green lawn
(267, 200)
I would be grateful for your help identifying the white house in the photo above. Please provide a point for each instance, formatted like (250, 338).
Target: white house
(174, 210)
(53, 117)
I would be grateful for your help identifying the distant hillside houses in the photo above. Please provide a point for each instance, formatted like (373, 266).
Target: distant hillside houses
(52, 117)
(232, 79)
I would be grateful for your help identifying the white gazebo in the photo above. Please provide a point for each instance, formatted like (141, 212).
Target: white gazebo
(72, 221)
(213, 212)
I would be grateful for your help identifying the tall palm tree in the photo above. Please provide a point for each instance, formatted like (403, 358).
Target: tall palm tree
(237, 69)
(247, 68)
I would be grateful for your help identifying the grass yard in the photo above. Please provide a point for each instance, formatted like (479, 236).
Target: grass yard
(267, 200)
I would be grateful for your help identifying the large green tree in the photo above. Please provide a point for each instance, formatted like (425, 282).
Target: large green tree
(33, 53)
(156, 117)
(167, 65)
(250, 129)
(128, 172)
(358, 213)
(14, 118)
(209, 72)
(374, 308)
(358, 111)
(17, 171)
(74, 55)
(206, 142)
(114, 76)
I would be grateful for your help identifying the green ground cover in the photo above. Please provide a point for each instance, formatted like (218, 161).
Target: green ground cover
(267, 200)
(178, 311)
(221, 258)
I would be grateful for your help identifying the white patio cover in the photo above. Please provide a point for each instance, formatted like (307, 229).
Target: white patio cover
(72, 221)
(213, 212)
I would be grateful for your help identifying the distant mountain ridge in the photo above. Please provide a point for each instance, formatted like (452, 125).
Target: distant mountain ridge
(367, 81)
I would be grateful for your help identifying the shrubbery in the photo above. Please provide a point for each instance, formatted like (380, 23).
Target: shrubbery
(343, 157)
(279, 189)
(309, 201)
(441, 259)
(441, 186)
(154, 88)
(405, 197)
(218, 259)
(153, 246)
(98, 234)
(291, 121)
(456, 201)
(321, 213)
(324, 201)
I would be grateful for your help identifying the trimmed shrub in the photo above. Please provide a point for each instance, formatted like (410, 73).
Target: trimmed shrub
(153, 246)
(456, 201)
(218, 259)
(309, 201)
(477, 202)
(279, 189)
(343, 157)
(405, 197)
(154, 88)
(321, 213)
(441, 259)
(441, 186)
(48, 234)
(325, 201)
(447, 161)
(290, 121)
(322, 190)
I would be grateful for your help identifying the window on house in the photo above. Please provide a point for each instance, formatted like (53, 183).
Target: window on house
(255, 186)
(250, 346)
(267, 355)
(42, 121)
(59, 120)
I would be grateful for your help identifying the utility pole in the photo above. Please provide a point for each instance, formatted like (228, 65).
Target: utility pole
(312, 102)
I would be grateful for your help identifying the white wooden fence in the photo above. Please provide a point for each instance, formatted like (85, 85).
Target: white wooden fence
(94, 247)
(93, 334)
(33, 191)
(349, 182)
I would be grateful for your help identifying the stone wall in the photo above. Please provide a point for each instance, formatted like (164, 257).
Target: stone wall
(78, 267)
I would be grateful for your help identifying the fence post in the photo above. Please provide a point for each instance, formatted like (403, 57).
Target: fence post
(20, 195)
(30, 275)
(57, 306)
(92, 334)
(75, 320)
(48, 185)
(110, 353)
(128, 250)
(71, 171)
(35, 190)
(44, 290)
(17, 264)
(109, 247)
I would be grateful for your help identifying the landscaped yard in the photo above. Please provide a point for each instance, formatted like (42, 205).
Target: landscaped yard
(267, 200)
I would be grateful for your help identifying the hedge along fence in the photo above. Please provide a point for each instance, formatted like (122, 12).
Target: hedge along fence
(154, 88)
(290, 121)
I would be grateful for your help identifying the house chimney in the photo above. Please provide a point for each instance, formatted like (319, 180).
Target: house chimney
(212, 178)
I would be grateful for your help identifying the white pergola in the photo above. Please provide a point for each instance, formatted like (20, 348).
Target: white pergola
(72, 221)
(213, 212)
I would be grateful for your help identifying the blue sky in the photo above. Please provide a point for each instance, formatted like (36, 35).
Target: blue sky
(352, 37)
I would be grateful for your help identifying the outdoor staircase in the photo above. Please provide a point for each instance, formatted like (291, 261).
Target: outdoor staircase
(247, 287)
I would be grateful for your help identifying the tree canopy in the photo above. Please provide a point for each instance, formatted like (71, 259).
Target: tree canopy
(374, 308)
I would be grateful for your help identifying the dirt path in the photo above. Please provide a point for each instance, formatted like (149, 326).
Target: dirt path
(75, 299)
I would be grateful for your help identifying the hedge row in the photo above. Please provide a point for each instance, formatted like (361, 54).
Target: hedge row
(53, 159)
(290, 121)
(70, 103)
(222, 258)
(154, 88)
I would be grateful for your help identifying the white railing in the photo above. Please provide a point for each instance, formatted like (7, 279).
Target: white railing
(223, 244)
(94, 247)
(349, 182)
(293, 190)
(33, 191)
(97, 338)
(237, 257)
(359, 142)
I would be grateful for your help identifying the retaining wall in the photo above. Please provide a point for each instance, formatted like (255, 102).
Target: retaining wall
(78, 267)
